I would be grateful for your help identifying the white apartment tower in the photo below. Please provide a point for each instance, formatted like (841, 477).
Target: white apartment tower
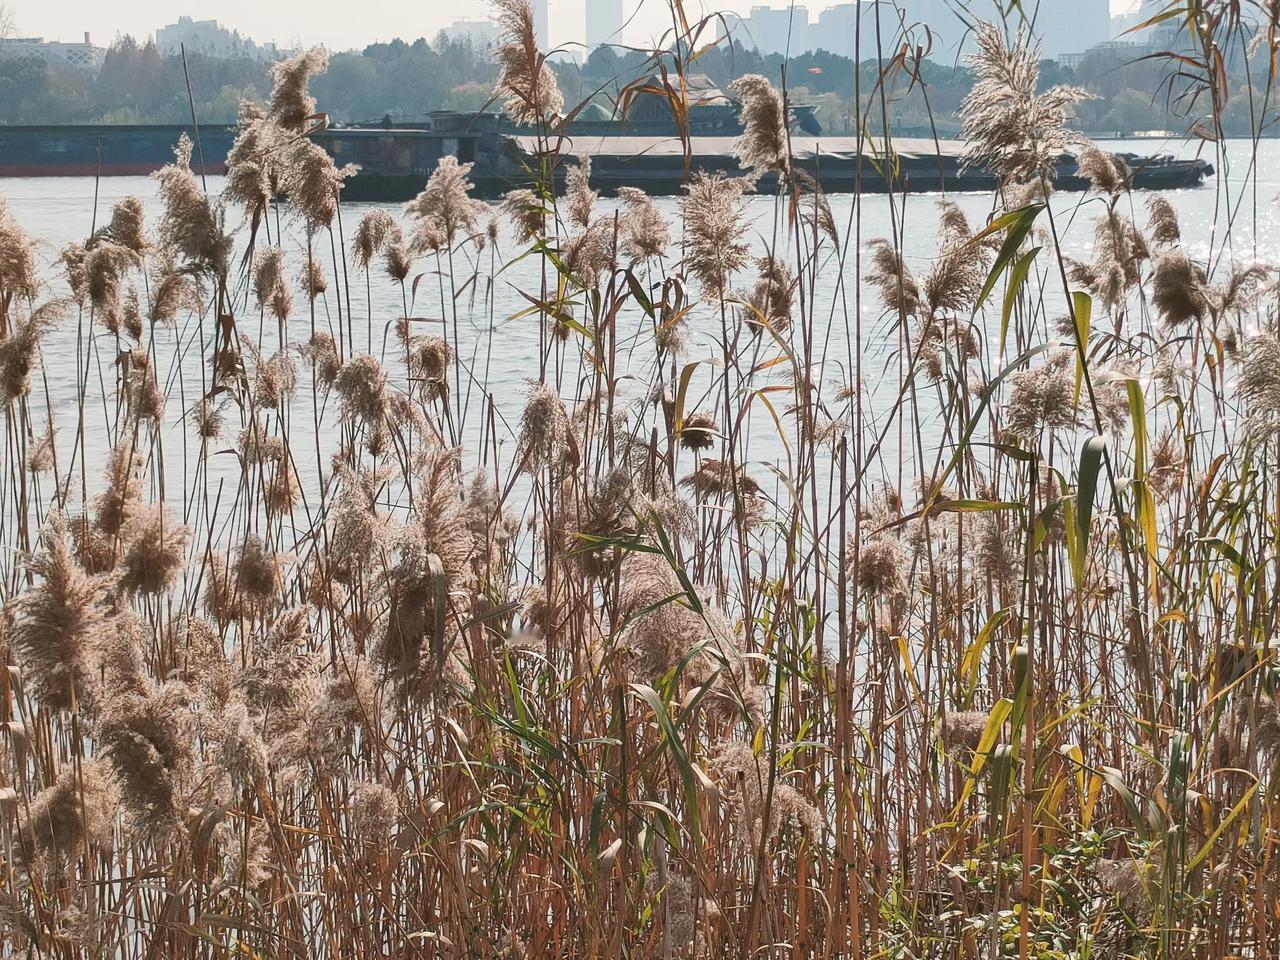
(542, 23)
(604, 22)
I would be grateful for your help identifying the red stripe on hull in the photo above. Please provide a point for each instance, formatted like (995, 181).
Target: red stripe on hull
(130, 169)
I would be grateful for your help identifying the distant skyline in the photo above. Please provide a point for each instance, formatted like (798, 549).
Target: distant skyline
(293, 23)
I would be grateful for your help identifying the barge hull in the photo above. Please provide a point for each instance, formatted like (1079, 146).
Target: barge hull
(394, 164)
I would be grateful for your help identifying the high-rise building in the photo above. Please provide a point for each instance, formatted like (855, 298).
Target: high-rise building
(1060, 26)
(604, 22)
(782, 30)
(542, 23)
(212, 39)
(837, 30)
(479, 33)
(1066, 26)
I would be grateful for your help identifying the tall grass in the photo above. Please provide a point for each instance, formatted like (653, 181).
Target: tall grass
(708, 655)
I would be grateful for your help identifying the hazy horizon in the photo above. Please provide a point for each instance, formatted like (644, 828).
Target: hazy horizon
(292, 23)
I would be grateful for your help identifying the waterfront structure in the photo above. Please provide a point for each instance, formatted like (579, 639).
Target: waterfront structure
(81, 56)
(604, 23)
(212, 39)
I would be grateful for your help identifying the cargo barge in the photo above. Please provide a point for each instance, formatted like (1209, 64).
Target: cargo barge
(105, 150)
(395, 161)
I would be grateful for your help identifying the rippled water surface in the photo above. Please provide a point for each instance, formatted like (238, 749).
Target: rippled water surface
(500, 348)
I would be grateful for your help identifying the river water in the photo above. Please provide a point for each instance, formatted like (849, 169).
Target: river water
(1233, 218)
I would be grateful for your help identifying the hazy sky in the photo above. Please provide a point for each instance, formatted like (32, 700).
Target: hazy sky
(339, 26)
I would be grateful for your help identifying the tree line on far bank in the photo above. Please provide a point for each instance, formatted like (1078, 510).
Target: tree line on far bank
(409, 80)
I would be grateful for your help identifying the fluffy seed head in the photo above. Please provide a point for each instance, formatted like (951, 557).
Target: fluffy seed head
(128, 226)
(893, 281)
(291, 103)
(1107, 172)
(445, 207)
(75, 809)
(581, 198)
(1162, 220)
(1178, 288)
(772, 297)
(322, 350)
(17, 258)
(963, 729)
(763, 144)
(191, 226)
(362, 386)
(20, 346)
(526, 84)
(58, 625)
(154, 547)
(883, 569)
(269, 284)
(313, 279)
(545, 432)
(713, 208)
(644, 229)
(253, 162)
(1042, 398)
(1010, 126)
(375, 811)
(377, 228)
(312, 182)
(527, 212)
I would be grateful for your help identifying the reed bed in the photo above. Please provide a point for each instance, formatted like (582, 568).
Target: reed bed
(355, 668)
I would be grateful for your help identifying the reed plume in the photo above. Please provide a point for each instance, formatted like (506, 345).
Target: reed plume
(59, 624)
(322, 351)
(312, 182)
(17, 262)
(526, 83)
(148, 735)
(579, 197)
(313, 279)
(445, 206)
(546, 438)
(291, 103)
(1041, 398)
(644, 230)
(772, 297)
(191, 225)
(20, 349)
(76, 809)
(361, 383)
(1106, 172)
(269, 284)
(526, 209)
(253, 162)
(1178, 288)
(377, 229)
(1162, 221)
(128, 226)
(154, 546)
(763, 145)
(171, 293)
(898, 289)
(1010, 126)
(713, 208)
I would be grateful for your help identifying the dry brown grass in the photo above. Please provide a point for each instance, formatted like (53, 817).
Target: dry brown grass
(617, 688)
